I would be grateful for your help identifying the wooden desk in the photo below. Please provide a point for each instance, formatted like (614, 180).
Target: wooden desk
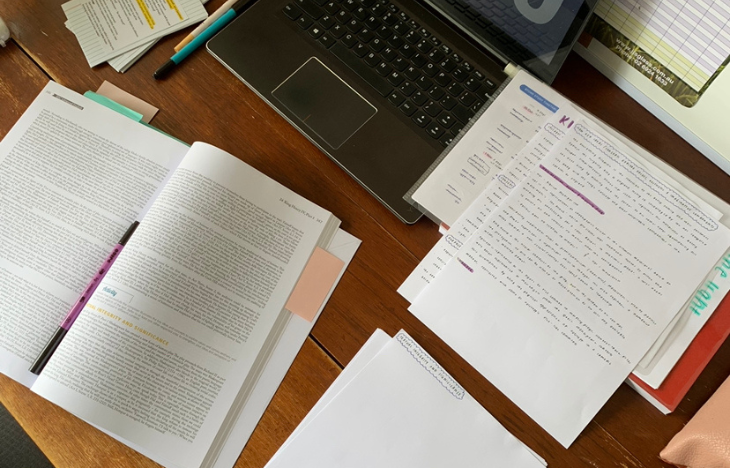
(203, 101)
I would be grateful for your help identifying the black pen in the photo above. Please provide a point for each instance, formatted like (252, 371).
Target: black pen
(55, 340)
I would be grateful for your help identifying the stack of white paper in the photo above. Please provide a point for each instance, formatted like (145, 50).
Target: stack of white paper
(562, 273)
(121, 31)
(394, 406)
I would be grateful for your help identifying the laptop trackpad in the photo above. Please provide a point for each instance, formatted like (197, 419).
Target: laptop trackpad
(324, 103)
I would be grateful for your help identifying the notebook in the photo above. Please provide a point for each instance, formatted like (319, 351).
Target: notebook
(383, 86)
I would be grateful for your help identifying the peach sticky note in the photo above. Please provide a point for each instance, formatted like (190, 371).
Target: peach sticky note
(122, 97)
(315, 283)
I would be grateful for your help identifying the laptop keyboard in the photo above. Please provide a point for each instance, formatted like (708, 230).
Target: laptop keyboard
(403, 61)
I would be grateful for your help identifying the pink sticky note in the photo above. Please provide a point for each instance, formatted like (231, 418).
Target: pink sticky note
(122, 97)
(315, 283)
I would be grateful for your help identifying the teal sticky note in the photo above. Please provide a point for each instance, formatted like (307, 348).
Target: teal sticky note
(113, 105)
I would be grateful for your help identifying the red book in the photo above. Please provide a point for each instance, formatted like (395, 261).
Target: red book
(671, 392)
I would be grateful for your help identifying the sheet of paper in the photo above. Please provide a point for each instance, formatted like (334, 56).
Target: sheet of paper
(567, 284)
(504, 128)
(497, 190)
(106, 29)
(401, 410)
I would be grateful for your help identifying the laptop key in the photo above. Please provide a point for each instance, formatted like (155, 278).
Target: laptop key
(372, 59)
(383, 69)
(432, 108)
(412, 73)
(436, 93)
(399, 64)
(327, 21)
(396, 98)
(338, 31)
(462, 113)
(448, 102)
(442, 79)
(389, 54)
(424, 83)
(372, 23)
(455, 89)
(361, 50)
(327, 41)
(419, 60)
(349, 40)
(407, 88)
(360, 13)
(361, 69)
(342, 16)
(408, 108)
(467, 99)
(310, 8)
(435, 130)
(446, 139)
(459, 75)
(395, 78)
(331, 8)
(407, 50)
(316, 31)
(421, 119)
(365, 35)
(472, 84)
(401, 28)
(430, 69)
(304, 22)
(292, 12)
(377, 44)
(446, 120)
(419, 98)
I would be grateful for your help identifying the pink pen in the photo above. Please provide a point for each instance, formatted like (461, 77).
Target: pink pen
(80, 303)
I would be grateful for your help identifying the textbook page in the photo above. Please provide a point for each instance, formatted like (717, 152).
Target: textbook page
(500, 132)
(564, 288)
(167, 343)
(73, 176)
(401, 410)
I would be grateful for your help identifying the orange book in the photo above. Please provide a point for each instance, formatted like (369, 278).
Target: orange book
(671, 392)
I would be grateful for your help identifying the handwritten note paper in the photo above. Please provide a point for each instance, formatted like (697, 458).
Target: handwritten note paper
(564, 288)
(497, 190)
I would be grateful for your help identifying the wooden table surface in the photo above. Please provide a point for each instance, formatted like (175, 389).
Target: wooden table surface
(202, 101)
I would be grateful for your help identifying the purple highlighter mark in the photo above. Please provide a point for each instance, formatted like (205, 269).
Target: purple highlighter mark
(471, 270)
(583, 197)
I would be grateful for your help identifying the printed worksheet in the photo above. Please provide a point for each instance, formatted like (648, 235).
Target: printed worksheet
(106, 29)
(567, 284)
(680, 45)
(504, 128)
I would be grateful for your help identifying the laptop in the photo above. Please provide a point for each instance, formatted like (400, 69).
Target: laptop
(382, 87)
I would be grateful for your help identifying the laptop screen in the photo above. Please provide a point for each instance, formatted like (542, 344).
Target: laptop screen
(534, 34)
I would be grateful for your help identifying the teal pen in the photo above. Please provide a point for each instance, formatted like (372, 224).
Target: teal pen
(200, 40)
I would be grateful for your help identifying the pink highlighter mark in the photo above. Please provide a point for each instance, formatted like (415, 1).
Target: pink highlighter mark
(583, 197)
(471, 270)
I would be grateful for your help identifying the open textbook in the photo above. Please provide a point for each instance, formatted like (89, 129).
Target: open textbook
(182, 329)
(485, 277)
(395, 406)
